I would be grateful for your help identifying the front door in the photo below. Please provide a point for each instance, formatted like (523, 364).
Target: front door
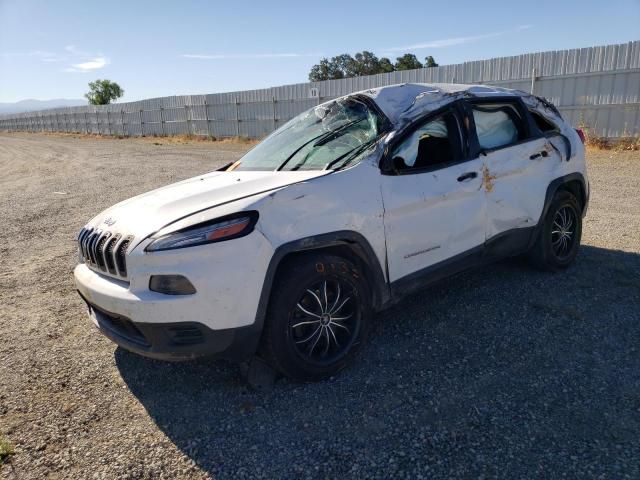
(434, 205)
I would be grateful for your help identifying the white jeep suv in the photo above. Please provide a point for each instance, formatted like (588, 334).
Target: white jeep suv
(288, 252)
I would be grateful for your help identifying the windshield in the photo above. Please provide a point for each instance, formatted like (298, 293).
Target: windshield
(327, 136)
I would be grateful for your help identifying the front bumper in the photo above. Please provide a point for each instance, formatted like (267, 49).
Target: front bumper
(177, 340)
(219, 319)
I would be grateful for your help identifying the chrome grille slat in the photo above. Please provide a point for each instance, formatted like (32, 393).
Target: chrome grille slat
(83, 242)
(81, 235)
(109, 254)
(104, 250)
(120, 256)
(100, 244)
(92, 246)
(86, 246)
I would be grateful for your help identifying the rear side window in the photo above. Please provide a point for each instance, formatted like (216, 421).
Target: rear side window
(543, 124)
(497, 125)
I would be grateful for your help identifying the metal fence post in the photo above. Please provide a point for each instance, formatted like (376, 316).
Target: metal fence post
(122, 122)
(275, 118)
(186, 114)
(533, 79)
(97, 121)
(206, 117)
(141, 124)
(237, 116)
(108, 123)
(57, 129)
(161, 121)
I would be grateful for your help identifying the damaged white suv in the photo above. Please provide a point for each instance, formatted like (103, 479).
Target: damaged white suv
(288, 252)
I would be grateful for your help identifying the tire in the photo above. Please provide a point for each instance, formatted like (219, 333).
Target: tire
(559, 237)
(317, 317)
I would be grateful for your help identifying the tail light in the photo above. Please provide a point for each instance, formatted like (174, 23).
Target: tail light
(581, 134)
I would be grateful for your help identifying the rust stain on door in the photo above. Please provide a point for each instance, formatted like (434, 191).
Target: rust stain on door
(487, 179)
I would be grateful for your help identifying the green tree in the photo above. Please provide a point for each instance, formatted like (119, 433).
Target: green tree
(363, 63)
(429, 62)
(366, 63)
(340, 66)
(408, 61)
(385, 65)
(325, 70)
(102, 92)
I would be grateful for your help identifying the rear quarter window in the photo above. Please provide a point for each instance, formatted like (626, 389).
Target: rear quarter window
(543, 124)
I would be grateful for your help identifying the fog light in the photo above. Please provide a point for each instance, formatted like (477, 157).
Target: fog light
(171, 285)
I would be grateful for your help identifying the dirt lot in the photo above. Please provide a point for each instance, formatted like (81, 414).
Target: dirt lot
(504, 372)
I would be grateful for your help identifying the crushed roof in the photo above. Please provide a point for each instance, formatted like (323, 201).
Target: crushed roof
(406, 99)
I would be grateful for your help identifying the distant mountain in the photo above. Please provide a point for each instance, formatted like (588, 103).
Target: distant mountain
(31, 105)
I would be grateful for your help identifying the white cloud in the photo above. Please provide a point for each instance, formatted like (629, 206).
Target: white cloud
(94, 64)
(89, 66)
(77, 60)
(450, 42)
(224, 56)
(71, 49)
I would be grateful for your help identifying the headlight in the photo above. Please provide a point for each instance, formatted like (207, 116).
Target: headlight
(221, 229)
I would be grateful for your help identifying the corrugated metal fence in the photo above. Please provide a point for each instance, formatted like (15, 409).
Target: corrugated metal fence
(597, 88)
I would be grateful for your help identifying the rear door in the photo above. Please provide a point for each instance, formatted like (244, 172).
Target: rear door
(518, 163)
(434, 207)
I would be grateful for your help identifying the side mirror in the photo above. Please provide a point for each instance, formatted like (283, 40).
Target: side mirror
(399, 163)
(386, 164)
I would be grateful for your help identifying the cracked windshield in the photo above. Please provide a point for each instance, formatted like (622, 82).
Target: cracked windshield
(327, 136)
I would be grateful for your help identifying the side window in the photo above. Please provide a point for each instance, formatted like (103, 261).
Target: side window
(432, 144)
(498, 125)
(543, 124)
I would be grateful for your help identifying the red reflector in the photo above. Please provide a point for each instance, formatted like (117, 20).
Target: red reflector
(581, 134)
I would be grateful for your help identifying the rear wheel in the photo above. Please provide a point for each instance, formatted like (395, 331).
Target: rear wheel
(317, 317)
(559, 237)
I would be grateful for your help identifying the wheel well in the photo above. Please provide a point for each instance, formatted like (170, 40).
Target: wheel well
(350, 251)
(576, 188)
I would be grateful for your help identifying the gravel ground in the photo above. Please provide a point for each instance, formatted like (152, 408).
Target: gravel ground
(501, 372)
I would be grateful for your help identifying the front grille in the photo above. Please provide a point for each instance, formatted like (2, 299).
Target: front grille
(104, 251)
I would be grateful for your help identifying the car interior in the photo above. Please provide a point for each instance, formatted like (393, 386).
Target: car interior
(429, 145)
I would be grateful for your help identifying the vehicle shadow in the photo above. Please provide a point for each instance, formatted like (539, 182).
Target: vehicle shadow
(502, 371)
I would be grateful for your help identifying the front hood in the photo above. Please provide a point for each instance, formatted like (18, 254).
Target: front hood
(145, 214)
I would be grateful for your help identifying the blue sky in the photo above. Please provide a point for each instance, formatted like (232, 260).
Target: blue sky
(52, 49)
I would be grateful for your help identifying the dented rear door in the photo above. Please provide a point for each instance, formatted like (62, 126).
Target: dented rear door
(518, 164)
(515, 184)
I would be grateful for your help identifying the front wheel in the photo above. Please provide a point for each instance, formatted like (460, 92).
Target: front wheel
(559, 237)
(317, 317)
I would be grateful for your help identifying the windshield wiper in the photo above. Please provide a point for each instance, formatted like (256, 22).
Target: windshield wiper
(295, 152)
(351, 154)
(336, 133)
(321, 139)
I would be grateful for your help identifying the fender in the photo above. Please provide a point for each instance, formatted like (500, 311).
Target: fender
(355, 241)
(551, 191)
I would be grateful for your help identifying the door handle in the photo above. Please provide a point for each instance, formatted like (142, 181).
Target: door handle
(543, 153)
(467, 176)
